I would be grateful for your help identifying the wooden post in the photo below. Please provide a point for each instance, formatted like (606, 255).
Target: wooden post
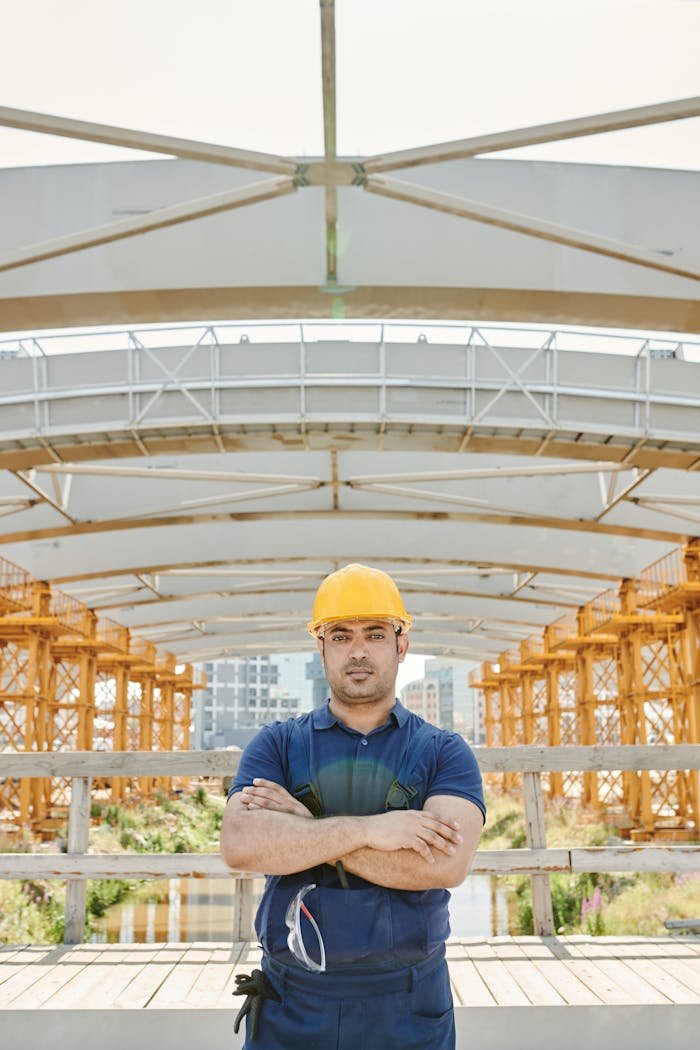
(691, 639)
(243, 909)
(542, 917)
(78, 830)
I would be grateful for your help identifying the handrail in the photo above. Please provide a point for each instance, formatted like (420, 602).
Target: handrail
(537, 860)
(115, 337)
(568, 758)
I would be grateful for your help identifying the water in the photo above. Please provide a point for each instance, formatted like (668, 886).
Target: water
(202, 910)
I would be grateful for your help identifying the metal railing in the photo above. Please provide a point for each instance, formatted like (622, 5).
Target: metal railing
(532, 649)
(601, 610)
(15, 587)
(111, 636)
(564, 338)
(70, 613)
(562, 632)
(546, 374)
(666, 576)
(538, 861)
(145, 651)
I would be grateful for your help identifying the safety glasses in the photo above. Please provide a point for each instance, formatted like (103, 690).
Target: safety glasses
(295, 937)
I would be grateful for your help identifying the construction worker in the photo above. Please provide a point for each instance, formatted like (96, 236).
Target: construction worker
(360, 814)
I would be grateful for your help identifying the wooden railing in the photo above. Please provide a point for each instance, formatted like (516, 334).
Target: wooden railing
(536, 860)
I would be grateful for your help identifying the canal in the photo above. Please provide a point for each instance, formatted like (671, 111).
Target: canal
(202, 910)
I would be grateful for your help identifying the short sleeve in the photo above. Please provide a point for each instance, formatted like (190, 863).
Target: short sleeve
(261, 758)
(457, 772)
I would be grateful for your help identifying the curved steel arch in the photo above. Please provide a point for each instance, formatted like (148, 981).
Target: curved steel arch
(216, 394)
(552, 241)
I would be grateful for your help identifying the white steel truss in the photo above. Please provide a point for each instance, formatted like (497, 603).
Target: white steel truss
(547, 397)
(332, 171)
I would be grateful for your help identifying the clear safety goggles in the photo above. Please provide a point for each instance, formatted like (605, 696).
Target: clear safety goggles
(295, 937)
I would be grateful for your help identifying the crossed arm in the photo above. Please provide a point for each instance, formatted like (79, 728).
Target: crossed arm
(265, 829)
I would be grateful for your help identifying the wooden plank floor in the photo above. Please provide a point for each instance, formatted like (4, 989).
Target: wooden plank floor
(494, 971)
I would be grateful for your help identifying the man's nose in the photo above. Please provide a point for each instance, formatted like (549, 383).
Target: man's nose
(358, 649)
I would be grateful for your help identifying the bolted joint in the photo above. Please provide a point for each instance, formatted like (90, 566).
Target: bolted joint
(301, 175)
(360, 175)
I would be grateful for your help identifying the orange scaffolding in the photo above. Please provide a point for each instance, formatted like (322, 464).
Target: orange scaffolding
(623, 669)
(70, 680)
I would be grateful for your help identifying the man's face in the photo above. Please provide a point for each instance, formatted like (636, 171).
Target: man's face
(361, 659)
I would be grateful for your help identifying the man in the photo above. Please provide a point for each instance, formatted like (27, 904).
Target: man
(361, 815)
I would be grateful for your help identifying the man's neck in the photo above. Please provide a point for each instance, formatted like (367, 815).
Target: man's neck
(362, 717)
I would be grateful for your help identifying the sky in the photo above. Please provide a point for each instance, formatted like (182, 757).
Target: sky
(247, 73)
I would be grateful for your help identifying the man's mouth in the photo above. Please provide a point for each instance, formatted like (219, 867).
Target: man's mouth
(359, 673)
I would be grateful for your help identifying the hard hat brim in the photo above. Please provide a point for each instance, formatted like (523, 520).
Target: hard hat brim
(314, 627)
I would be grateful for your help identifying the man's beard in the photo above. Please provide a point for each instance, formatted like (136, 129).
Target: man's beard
(364, 690)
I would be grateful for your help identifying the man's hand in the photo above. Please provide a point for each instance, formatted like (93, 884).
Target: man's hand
(406, 869)
(414, 829)
(265, 794)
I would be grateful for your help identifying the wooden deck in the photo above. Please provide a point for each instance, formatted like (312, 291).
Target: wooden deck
(548, 989)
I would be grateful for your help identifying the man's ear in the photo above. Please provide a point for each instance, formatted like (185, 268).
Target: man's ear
(402, 646)
(319, 646)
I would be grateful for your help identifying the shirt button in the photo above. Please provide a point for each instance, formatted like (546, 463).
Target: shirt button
(364, 743)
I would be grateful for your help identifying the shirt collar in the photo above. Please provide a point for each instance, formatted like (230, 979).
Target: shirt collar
(323, 717)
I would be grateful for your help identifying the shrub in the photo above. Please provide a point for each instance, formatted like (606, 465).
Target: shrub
(103, 893)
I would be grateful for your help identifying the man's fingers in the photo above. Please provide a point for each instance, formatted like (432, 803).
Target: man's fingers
(273, 798)
(437, 842)
(447, 829)
(260, 792)
(442, 820)
(421, 847)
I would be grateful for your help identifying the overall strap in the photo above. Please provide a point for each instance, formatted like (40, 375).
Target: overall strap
(403, 790)
(300, 779)
(303, 787)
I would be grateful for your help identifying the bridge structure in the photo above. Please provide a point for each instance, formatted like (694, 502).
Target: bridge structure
(628, 990)
(225, 372)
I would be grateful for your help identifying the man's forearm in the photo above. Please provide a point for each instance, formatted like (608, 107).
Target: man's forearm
(402, 869)
(282, 843)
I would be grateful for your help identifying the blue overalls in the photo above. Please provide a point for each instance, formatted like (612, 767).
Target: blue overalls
(386, 983)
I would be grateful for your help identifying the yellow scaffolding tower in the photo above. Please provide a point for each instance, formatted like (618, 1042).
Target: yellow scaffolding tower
(625, 669)
(70, 680)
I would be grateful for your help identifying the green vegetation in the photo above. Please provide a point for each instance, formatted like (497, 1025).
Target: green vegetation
(32, 911)
(588, 903)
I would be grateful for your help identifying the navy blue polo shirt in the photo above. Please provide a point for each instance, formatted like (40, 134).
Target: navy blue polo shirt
(352, 771)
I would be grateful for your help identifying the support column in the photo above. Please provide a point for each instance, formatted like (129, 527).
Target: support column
(585, 718)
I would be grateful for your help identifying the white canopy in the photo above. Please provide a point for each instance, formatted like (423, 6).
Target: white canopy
(197, 482)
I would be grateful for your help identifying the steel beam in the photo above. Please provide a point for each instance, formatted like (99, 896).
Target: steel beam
(128, 138)
(327, 11)
(433, 566)
(159, 219)
(530, 226)
(617, 120)
(129, 523)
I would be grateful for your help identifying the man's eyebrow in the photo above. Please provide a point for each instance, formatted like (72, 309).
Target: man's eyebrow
(367, 629)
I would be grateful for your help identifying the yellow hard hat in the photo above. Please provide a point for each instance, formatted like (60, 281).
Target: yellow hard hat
(357, 592)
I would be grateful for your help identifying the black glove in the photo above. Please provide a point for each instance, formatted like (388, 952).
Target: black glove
(256, 988)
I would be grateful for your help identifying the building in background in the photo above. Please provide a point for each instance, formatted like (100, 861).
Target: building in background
(243, 694)
(423, 698)
(479, 707)
(317, 676)
(445, 693)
